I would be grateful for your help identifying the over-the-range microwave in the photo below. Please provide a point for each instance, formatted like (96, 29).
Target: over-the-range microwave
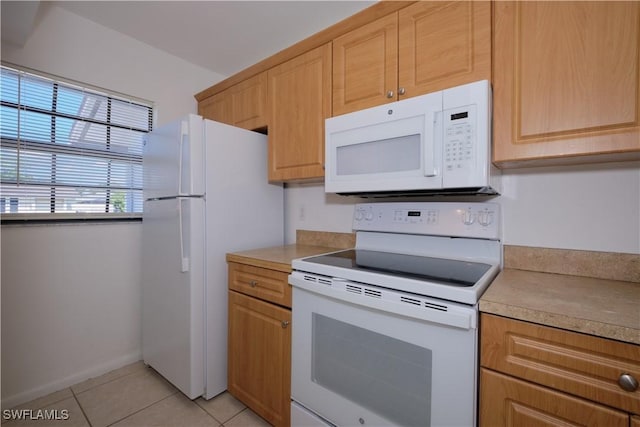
(438, 143)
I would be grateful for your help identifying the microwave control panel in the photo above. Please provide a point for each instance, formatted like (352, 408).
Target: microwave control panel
(459, 137)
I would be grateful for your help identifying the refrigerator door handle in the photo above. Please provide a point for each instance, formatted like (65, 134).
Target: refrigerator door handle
(184, 261)
(184, 134)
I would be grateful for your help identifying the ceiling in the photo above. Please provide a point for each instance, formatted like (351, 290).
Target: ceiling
(222, 36)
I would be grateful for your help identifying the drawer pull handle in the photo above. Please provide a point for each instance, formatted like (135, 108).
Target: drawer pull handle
(285, 323)
(628, 382)
(253, 283)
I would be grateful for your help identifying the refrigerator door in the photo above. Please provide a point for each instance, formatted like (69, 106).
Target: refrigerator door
(173, 315)
(173, 159)
(244, 212)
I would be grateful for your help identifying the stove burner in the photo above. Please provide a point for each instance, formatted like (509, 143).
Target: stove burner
(444, 271)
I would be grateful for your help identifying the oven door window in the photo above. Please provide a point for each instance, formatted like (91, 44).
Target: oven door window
(382, 374)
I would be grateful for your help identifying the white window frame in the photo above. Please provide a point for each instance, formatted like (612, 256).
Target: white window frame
(18, 187)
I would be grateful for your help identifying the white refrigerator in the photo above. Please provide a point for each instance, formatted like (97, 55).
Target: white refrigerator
(206, 193)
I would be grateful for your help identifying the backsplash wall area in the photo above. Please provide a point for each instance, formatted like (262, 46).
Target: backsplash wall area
(589, 207)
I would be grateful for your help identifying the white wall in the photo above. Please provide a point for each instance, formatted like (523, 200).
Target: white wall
(71, 293)
(75, 48)
(595, 207)
(70, 304)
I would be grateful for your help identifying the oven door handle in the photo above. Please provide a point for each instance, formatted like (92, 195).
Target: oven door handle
(421, 308)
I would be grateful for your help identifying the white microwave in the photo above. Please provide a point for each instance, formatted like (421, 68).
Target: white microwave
(438, 143)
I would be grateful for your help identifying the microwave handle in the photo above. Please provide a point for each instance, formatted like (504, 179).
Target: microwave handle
(430, 166)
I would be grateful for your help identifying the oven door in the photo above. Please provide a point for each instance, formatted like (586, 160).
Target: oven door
(358, 359)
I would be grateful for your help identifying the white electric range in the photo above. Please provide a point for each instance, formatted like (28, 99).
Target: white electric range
(386, 333)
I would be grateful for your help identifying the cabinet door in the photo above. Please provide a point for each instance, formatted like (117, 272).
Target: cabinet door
(216, 107)
(506, 401)
(300, 101)
(566, 81)
(365, 64)
(249, 102)
(443, 44)
(259, 359)
(583, 365)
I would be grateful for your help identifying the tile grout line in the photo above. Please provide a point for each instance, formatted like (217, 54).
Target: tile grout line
(207, 412)
(145, 370)
(86, 417)
(142, 409)
(109, 381)
(244, 409)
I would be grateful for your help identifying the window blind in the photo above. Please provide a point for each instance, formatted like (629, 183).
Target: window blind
(69, 150)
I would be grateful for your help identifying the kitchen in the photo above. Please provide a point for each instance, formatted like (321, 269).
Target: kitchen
(583, 207)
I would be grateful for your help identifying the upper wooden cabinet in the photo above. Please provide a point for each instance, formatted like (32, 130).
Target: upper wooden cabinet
(365, 66)
(243, 105)
(299, 101)
(422, 48)
(566, 82)
(216, 107)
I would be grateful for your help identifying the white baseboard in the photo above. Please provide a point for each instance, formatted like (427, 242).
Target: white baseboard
(59, 384)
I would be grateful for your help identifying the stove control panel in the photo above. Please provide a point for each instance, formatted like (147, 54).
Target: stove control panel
(479, 220)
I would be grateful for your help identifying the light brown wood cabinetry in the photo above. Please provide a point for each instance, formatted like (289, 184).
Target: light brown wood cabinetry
(259, 341)
(216, 107)
(269, 285)
(243, 105)
(516, 403)
(259, 348)
(566, 82)
(422, 48)
(537, 375)
(365, 66)
(299, 101)
(635, 421)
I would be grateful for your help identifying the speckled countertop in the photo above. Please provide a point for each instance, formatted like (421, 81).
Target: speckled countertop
(544, 286)
(605, 308)
(278, 257)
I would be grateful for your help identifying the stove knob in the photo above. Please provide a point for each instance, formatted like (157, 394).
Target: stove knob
(468, 218)
(484, 218)
(359, 215)
(369, 216)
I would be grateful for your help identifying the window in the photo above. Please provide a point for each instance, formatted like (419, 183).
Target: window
(69, 151)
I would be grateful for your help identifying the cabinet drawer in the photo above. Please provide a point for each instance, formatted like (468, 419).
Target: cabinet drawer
(579, 364)
(506, 401)
(269, 285)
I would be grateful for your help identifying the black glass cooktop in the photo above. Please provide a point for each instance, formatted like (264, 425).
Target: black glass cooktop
(446, 271)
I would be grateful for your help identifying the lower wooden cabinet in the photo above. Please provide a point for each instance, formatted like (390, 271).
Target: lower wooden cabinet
(511, 402)
(534, 375)
(259, 357)
(506, 401)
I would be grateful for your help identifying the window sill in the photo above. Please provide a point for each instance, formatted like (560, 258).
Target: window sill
(88, 218)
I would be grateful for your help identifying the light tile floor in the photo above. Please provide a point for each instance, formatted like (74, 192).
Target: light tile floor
(135, 396)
